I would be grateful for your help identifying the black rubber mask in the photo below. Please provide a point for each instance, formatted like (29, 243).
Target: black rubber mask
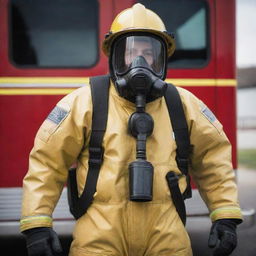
(140, 80)
(138, 67)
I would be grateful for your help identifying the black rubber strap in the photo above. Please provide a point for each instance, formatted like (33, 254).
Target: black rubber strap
(181, 133)
(179, 125)
(173, 183)
(100, 92)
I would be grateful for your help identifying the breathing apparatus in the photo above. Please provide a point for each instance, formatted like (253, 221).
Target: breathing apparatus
(138, 47)
(137, 66)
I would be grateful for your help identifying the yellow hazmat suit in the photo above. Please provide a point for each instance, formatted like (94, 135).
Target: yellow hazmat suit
(114, 225)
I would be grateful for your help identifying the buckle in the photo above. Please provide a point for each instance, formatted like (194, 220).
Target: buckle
(96, 155)
(172, 179)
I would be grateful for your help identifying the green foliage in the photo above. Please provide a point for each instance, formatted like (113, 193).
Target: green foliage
(247, 158)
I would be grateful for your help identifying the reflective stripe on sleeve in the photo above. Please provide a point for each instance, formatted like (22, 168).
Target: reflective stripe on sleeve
(226, 213)
(29, 222)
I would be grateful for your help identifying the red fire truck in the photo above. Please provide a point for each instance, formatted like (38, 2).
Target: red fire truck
(49, 48)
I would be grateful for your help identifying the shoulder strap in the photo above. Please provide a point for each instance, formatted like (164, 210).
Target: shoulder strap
(181, 134)
(100, 92)
(180, 129)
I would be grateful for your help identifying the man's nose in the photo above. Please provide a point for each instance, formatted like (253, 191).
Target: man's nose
(140, 53)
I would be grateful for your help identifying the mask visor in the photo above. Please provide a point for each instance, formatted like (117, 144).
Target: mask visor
(128, 48)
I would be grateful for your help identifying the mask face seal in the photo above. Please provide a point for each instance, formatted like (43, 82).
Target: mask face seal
(138, 65)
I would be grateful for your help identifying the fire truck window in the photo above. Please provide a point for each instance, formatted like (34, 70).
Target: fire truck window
(54, 33)
(188, 20)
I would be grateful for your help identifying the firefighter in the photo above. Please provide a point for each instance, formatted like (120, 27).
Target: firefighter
(121, 219)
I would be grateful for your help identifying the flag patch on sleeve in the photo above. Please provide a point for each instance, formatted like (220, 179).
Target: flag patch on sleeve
(208, 114)
(211, 117)
(57, 115)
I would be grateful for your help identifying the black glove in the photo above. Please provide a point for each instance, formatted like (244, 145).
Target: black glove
(42, 242)
(223, 236)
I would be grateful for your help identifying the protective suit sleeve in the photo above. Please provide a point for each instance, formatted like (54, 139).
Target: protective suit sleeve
(57, 145)
(211, 165)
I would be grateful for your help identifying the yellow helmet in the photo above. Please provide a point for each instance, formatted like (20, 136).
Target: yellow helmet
(138, 19)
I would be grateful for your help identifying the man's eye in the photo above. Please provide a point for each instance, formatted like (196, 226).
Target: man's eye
(130, 52)
(148, 53)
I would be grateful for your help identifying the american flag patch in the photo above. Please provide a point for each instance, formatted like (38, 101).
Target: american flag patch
(208, 114)
(211, 117)
(57, 115)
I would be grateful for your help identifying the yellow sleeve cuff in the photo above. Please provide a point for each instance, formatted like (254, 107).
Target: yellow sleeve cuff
(29, 222)
(230, 212)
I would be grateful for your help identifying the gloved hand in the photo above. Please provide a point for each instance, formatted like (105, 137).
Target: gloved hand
(223, 236)
(42, 242)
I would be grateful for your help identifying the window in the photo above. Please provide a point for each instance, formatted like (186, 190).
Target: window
(187, 19)
(54, 33)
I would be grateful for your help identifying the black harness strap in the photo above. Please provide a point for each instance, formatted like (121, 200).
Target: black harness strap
(100, 92)
(99, 89)
(180, 129)
(177, 198)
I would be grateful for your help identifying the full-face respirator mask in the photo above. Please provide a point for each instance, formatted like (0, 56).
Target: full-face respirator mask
(140, 80)
(138, 68)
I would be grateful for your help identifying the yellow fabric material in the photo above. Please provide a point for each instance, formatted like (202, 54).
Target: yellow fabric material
(113, 225)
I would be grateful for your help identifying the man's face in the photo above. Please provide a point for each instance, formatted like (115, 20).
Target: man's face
(139, 48)
(127, 49)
